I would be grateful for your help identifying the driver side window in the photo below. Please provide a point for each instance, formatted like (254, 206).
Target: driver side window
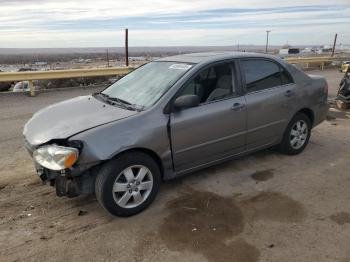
(210, 84)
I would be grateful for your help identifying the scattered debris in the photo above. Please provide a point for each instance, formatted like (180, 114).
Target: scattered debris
(208, 203)
(341, 104)
(44, 238)
(236, 195)
(343, 96)
(190, 208)
(334, 114)
(341, 218)
(82, 213)
(28, 208)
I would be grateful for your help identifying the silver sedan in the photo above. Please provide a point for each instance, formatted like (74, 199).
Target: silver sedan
(171, 117)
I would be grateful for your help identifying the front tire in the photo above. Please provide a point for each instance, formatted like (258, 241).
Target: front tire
(127, 184)
(297, 135)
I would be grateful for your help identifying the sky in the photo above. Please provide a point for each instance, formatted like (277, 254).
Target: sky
(101, 23)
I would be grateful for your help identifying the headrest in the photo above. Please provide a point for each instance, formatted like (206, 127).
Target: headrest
(224, 82)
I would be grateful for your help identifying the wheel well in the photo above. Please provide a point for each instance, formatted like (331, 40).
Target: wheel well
(309, 113)
(149, 152)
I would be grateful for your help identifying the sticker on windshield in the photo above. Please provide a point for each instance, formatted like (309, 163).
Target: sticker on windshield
(180, 66)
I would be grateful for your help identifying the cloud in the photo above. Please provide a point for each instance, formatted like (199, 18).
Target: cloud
(52, 23)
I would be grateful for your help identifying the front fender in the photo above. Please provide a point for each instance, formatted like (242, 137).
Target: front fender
(147, 131)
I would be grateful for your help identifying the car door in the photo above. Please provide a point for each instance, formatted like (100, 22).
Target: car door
(216, 128)
(270, 100)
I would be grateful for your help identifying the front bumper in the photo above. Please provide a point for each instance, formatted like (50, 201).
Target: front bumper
(65, 183)
(70, 182)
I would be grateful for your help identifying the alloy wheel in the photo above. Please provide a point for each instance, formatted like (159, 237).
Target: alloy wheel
(132, 186)
(298, 134)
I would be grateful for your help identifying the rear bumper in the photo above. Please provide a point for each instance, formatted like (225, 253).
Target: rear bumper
(320, 113)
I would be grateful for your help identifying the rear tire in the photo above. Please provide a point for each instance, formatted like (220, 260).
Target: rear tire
(297, 135)
(127, 184)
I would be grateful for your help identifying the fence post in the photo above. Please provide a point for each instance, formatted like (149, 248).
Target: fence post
(31, 88)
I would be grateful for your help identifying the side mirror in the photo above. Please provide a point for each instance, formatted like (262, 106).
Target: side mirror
(186, 101)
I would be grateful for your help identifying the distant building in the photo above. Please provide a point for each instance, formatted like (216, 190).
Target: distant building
(84, 61)
(287, 50)
(284, 51)
(316, 50)
(40, 63)
(326, 49)
(306, 51)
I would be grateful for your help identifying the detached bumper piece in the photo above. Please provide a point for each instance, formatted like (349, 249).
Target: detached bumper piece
(66, 184)
(343, 97)
(73, 187)
(67, 187)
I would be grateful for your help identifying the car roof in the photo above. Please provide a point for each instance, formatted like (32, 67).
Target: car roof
(208, 57)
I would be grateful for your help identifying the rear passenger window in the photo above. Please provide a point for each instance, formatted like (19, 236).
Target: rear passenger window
(285, 77)
(263, 74)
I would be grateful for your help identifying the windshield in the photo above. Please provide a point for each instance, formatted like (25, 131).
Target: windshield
(145, 85)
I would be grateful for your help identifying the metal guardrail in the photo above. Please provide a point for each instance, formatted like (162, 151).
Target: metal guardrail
(60, 74)
(310, 60)
(73, 73)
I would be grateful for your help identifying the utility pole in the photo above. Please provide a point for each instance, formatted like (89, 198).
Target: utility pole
(126, 47)
(267, 39)
(335, 42)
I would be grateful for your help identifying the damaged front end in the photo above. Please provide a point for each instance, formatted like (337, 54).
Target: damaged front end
(57, 163)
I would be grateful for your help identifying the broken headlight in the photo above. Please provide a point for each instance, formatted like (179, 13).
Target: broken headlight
(55, 157)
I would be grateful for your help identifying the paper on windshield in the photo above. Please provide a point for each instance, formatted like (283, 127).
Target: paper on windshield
(180, 66)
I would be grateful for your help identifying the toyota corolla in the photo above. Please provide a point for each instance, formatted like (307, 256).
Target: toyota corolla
(171, 117)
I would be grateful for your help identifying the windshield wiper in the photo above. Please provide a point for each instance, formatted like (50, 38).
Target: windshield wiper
(118, 101)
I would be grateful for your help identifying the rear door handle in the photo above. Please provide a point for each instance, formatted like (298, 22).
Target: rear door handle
(288, 93)
(237, 107)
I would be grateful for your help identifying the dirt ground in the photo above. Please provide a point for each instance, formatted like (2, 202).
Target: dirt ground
(264, 207)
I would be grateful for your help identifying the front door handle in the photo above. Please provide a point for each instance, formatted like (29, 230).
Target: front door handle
(237, 107)
(288, 93)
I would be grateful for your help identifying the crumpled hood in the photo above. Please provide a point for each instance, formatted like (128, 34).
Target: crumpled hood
(67, 118)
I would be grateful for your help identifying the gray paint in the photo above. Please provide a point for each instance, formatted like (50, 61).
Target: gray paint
(187, 140)
(69, 117)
